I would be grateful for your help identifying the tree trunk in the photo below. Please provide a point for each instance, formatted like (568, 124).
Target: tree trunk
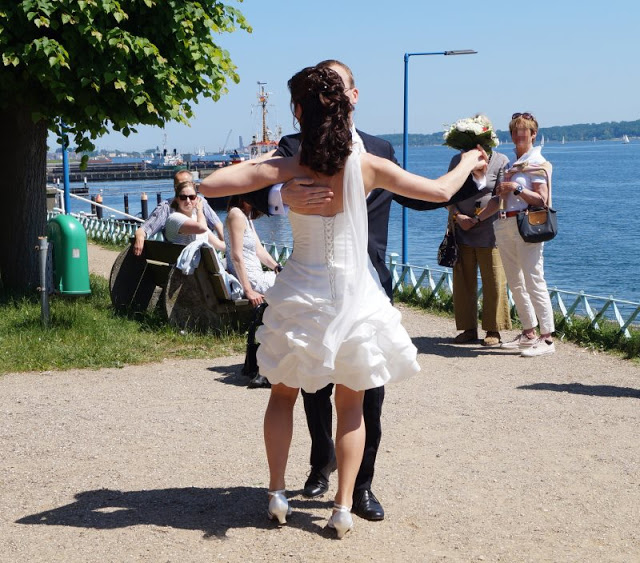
(23, 145)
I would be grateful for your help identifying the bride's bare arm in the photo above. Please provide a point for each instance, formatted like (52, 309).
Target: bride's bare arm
(247, 176)
(381, 173)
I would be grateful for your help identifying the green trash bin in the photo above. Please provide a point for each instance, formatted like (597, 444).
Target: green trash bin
(70, 258)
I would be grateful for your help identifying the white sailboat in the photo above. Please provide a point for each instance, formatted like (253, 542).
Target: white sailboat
(625, 139)
(563, 139)
(542, 141)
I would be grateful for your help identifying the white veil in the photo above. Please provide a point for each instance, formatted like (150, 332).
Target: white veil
(354, 260)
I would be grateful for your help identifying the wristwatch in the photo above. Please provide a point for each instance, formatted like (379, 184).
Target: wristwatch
(518, 190)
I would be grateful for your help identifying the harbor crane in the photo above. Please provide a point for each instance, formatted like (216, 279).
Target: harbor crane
(224, 147)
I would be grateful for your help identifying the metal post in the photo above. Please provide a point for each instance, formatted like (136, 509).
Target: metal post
(159, 197)
(99, 210)
(126, 203)
(144, 204)
(405, 137)
(405, 150)
(65, 170)
(43, 249)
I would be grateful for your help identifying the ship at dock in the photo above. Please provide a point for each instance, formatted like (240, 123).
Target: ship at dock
(164, 158)
(264, 141)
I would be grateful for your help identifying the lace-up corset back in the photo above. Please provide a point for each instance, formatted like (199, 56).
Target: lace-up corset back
(321, 241)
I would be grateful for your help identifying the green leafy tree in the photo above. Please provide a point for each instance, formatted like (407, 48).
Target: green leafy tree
(94, 65)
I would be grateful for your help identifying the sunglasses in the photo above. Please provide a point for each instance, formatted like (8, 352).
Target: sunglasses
(526, 115)
(183, 197)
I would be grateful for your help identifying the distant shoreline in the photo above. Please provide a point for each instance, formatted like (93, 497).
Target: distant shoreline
(505, 142)
(582, 132)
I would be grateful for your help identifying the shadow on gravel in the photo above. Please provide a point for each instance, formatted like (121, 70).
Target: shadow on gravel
(213, 511)
(580, 389)
(446, 348)
(231, 375)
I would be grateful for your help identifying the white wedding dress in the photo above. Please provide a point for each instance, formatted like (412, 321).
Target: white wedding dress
(328, 319)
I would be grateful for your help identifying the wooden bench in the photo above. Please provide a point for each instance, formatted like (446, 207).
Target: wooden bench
(200, 301)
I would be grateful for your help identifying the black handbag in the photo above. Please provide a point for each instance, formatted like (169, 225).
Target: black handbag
(537, 224)
(448, 249)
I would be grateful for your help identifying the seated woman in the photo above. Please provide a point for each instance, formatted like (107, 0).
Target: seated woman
(245, 253)
(158, 218)
(187, 221)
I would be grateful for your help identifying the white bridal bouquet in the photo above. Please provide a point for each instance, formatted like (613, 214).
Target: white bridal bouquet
(468, 133)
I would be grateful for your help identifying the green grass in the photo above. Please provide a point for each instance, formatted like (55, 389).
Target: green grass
(115, 246)
(607, 339)
(440, 302)
(85, 332)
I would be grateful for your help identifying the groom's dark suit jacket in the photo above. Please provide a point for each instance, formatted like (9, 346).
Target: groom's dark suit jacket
(378, 202)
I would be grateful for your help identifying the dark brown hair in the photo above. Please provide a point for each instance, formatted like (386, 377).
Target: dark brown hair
(243, 204)
(177, 189)
(333, 62)
(325, 113)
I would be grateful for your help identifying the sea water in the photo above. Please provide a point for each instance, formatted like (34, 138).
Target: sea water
(596, 190)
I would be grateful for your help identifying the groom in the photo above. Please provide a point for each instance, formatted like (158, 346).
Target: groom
(317, 405)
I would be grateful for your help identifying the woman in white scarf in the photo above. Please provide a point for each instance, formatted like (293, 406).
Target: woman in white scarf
(528, 183)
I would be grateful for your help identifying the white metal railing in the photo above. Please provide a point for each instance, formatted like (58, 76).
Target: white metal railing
(115, 231)
(594, 307)
(407, 277)
(418, 280)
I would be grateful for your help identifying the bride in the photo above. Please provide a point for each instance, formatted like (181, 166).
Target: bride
(329, 320)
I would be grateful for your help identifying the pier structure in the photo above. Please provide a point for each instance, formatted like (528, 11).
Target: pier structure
(115, 172)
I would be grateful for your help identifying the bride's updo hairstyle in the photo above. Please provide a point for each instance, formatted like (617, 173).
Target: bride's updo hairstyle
(324, 118)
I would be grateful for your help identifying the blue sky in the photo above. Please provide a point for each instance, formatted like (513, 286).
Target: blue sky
(561, 60)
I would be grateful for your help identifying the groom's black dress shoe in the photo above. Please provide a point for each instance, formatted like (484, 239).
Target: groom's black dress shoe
(318, 481)
(259, 382)
(367, 506)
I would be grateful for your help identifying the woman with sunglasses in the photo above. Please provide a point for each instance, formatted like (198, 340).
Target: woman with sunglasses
(187, 221)
(527, 183)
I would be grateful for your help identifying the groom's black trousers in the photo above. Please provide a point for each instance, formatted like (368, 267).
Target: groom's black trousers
(317, 407)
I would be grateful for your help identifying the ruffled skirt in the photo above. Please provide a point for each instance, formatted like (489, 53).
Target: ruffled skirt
(375, 351)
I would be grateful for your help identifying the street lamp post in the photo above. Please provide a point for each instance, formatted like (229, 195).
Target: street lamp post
(405, 136)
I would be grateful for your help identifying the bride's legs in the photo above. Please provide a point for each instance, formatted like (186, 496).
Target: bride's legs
(278, 430)
(350, 437)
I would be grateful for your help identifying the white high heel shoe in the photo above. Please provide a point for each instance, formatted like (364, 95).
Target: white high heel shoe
(341, 520)
(279, 506)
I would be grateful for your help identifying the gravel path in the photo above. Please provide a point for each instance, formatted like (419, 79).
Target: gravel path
(485, 456)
